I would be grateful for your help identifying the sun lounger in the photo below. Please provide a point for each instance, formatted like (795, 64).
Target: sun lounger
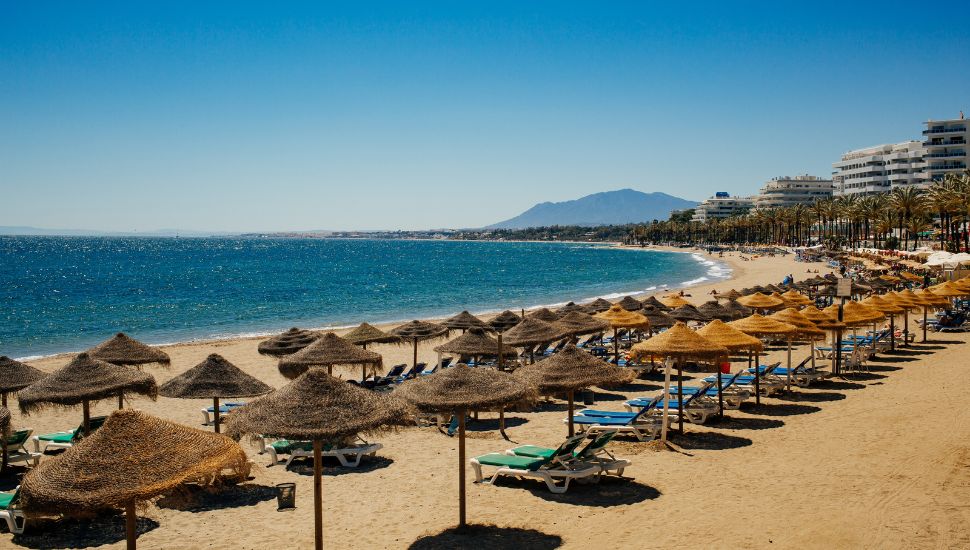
(11, 512)
(339, 450)
(645, 425)
(15, 448)
(65, 440)
(562, 464)
(731, 394)
(441, 366)
(415, 371)
(698, 405)
(209, 416)
(594, 452)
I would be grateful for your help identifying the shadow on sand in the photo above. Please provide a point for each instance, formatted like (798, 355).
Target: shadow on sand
(812, 396)
(610, 491)
(707, 441)
(729, 422)
(780, 409)
(331, 466)
(108, 528)
(199, 499)
(486, 537)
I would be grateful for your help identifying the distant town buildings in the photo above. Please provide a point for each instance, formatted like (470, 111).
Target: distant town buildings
(789, 191)
(882, 168)
(722, 205)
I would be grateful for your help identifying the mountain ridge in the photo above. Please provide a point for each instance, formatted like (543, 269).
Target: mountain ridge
(605, 208)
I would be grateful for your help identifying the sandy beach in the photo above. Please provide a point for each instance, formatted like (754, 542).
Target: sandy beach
(875, 460)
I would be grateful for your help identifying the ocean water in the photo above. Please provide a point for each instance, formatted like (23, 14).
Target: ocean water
(65, 294)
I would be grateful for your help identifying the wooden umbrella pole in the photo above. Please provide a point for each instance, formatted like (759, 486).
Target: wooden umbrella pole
(317, 495)
(131, 519)
(892, 333)
(720, 398)
(86, 408)
(501, 422)
(5, 395)
(414, 364)
(906, 329)
(616, 348)
(461, 468)
(924, 339)
(571, 429)
(666, 398)
(121, 399)
(757, 379)
(501, 358)
(788, 384)
(215, 408)
(3, 463)
(680, 393)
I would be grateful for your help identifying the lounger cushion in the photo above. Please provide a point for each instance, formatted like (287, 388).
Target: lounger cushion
(534, 452)
(517, 462)
(57, 438)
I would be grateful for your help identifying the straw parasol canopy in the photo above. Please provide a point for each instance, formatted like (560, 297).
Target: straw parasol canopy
(883, 306)
(475, 342)
(630, 303)
(571, 307)
(729, 295)
(122, 350)
(656, 317)
(911, 277)
(855, 314)
(133, 458)
(773, 289)
(461, 389)
(366, 334)
(577, 324)
(784, 301)
(815, 315)
(599, 305)
(902, 301)
(318, 407)
(758, 326)
(543, 314)
(794, 297)
(619, 317)
(687, 313)
(288, 343)
(532, 332)
(465, 321)
(761, 302)
(933, 299)
(806, 329)
(4, 425)
(948, 289)
(653, 301)
(418, 331)
(673, 301)
(721, 334)
(504, 321)
(327, 351)
(737, 309)
(572, 369)
(211, 379)
(715, 310)
(15, 376)
(82, 380)
(922, 301)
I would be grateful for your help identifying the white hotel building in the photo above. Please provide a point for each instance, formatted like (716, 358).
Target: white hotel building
(882, 168)
(721, 205)
(789, 191)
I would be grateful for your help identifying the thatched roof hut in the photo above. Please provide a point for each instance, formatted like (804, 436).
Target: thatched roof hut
(543, 314)
(571, 307)
(475, 342)
(122, 350)
(366, 334)
(760, 301)
(687, 313)
(288, 342)
(656, 317)
(577, 324)
(214, 377)
(599, 305)
(714, 310)
(329, 350)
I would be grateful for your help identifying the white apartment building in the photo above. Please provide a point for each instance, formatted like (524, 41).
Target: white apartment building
(880, 169)
(945, 146)
(721, 205)
(789, 191)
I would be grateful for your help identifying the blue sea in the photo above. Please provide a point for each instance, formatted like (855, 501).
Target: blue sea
(64, 294)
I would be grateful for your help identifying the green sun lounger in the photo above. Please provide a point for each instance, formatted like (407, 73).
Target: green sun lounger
(562, 464)
(66, 440)
(10, 511)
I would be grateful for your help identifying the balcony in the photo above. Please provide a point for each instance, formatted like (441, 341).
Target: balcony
(944, 155)
(944, 131)
(946, 167)
(944, 143)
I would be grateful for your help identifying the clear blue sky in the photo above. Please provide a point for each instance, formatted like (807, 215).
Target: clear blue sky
(277, 116)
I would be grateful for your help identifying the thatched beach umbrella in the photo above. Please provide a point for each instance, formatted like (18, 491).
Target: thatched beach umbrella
(532, 332)
(621, 318)
(759, 326)
(674, 301)
(464, 321)
(630, 303)
(657, 318)
(908, 304)
(125, 351)
(543, 314)
(888, 308)
(577, 324)
(461, 389)
(572, 369)
(598, 305)
(729, 295)
(737, 309)
(806, 330)
(5, 427)
(419, 331)
(366, 334)
(475, 343)
(653, 301)
(504, 321)
(784, 302)
(328, 351)
(718, 333)
(15, 376)
(688, 313)
(760, 302)
(83, 380)
(211, 379)
(796, 298)
(713, 310)
(948, 289)
(680, 343)
(571, 307)
(288, 342)
(133, 458)
(924, 302)
(318, 407)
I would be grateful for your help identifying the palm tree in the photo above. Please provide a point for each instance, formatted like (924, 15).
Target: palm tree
(907, 201)
(919, 223)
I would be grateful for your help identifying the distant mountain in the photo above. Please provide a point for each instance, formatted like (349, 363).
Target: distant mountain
(23, 230)
(609, 208)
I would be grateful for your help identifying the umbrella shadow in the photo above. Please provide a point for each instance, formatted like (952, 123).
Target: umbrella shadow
(550, 406)
(708, 441)
(492, 424)
(781, 409)
(11, 476)
(331, 466)
(107, 528)
(866, 376)
(883, 368)
(200, 499)
(812, 397)
(896, 358)
(486, 537)
(637, 385)
(610, 491)
(744, 423)
(839, 385)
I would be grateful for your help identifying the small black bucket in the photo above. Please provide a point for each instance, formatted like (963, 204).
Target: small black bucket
(588, 397)
(285, 495)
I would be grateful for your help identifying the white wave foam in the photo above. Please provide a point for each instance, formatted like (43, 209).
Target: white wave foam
(694, 281)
